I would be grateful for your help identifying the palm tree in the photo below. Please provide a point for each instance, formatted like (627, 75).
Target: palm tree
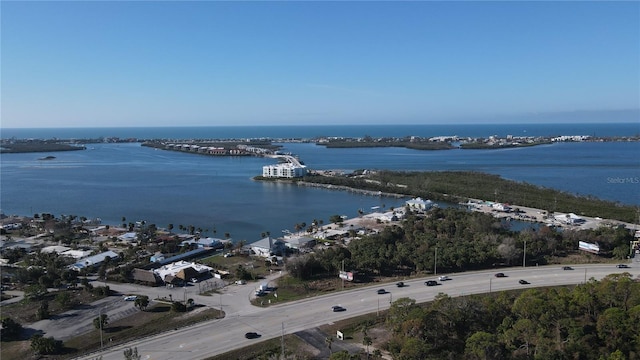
(170, 228)
(366, 341)
(240, 245)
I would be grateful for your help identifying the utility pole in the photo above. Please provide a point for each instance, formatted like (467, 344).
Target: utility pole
(490, 279)
(342, 273)
(524, 255)
(585, 275)
(100, 321)
(282, 340)
(435, 263)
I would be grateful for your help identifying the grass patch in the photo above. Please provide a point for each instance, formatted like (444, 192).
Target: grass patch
(25, 311)
(155, 320)
(254, 268)
(291, 289)
(269, 349)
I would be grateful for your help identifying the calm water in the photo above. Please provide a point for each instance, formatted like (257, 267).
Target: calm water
(115, 180)
(482, 130)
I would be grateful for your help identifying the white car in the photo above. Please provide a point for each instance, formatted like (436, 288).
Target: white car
(130, 298)
(444, 278)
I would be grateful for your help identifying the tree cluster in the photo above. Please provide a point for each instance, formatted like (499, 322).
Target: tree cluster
(453, 240)
(46, 345)
(596, 320)
(454, 186)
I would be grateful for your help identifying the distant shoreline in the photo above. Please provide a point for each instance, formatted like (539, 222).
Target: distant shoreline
(267, 144)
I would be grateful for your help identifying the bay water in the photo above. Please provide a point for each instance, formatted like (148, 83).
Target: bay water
(111, 181)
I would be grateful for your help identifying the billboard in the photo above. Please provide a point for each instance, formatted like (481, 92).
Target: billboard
(346, 275)
(589, 247)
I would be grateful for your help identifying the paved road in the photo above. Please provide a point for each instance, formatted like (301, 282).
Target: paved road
(222, 335)
(232, 299)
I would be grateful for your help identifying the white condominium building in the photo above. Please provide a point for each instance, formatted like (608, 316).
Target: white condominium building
(284, 170)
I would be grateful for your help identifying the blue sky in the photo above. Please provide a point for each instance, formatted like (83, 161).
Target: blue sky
(71, 64)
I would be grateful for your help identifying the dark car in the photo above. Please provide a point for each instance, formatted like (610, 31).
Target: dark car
(252, 335)
(523, 282)
(431, 283)
(382, 291)
(500, 275)
(567, 268)
(337, 308)
(622, 266)
(400, 284)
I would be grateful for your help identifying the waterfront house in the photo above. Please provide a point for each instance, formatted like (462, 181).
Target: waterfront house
(266, 247)
(128, 237)
(419, 204)
(299, 242)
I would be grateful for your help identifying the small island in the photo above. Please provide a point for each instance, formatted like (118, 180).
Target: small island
(26, 146)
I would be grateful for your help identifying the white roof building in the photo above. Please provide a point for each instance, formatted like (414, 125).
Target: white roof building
(58, 249)
(265, 247)
(299, 242)
(128, 237)
(570, 218)
(284, 170)
(419, 204)
(93, 260)
(76, 254)
(174, 268)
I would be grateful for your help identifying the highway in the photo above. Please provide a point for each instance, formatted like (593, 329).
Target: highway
(219, 336)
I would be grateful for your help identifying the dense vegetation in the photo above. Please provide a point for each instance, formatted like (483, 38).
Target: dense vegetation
(368, 142)
(37, 146)
(465, 241)
(459, 185)
(596, 320)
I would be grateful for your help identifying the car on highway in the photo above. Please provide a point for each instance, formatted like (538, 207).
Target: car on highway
(431, 283)
(400, 284)
(567, 268)
(622, 266)
(382, 291)
(444, 278)
(252, 335)
(337, 308)
(523, 282)
(130, 298)
(500, 275)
